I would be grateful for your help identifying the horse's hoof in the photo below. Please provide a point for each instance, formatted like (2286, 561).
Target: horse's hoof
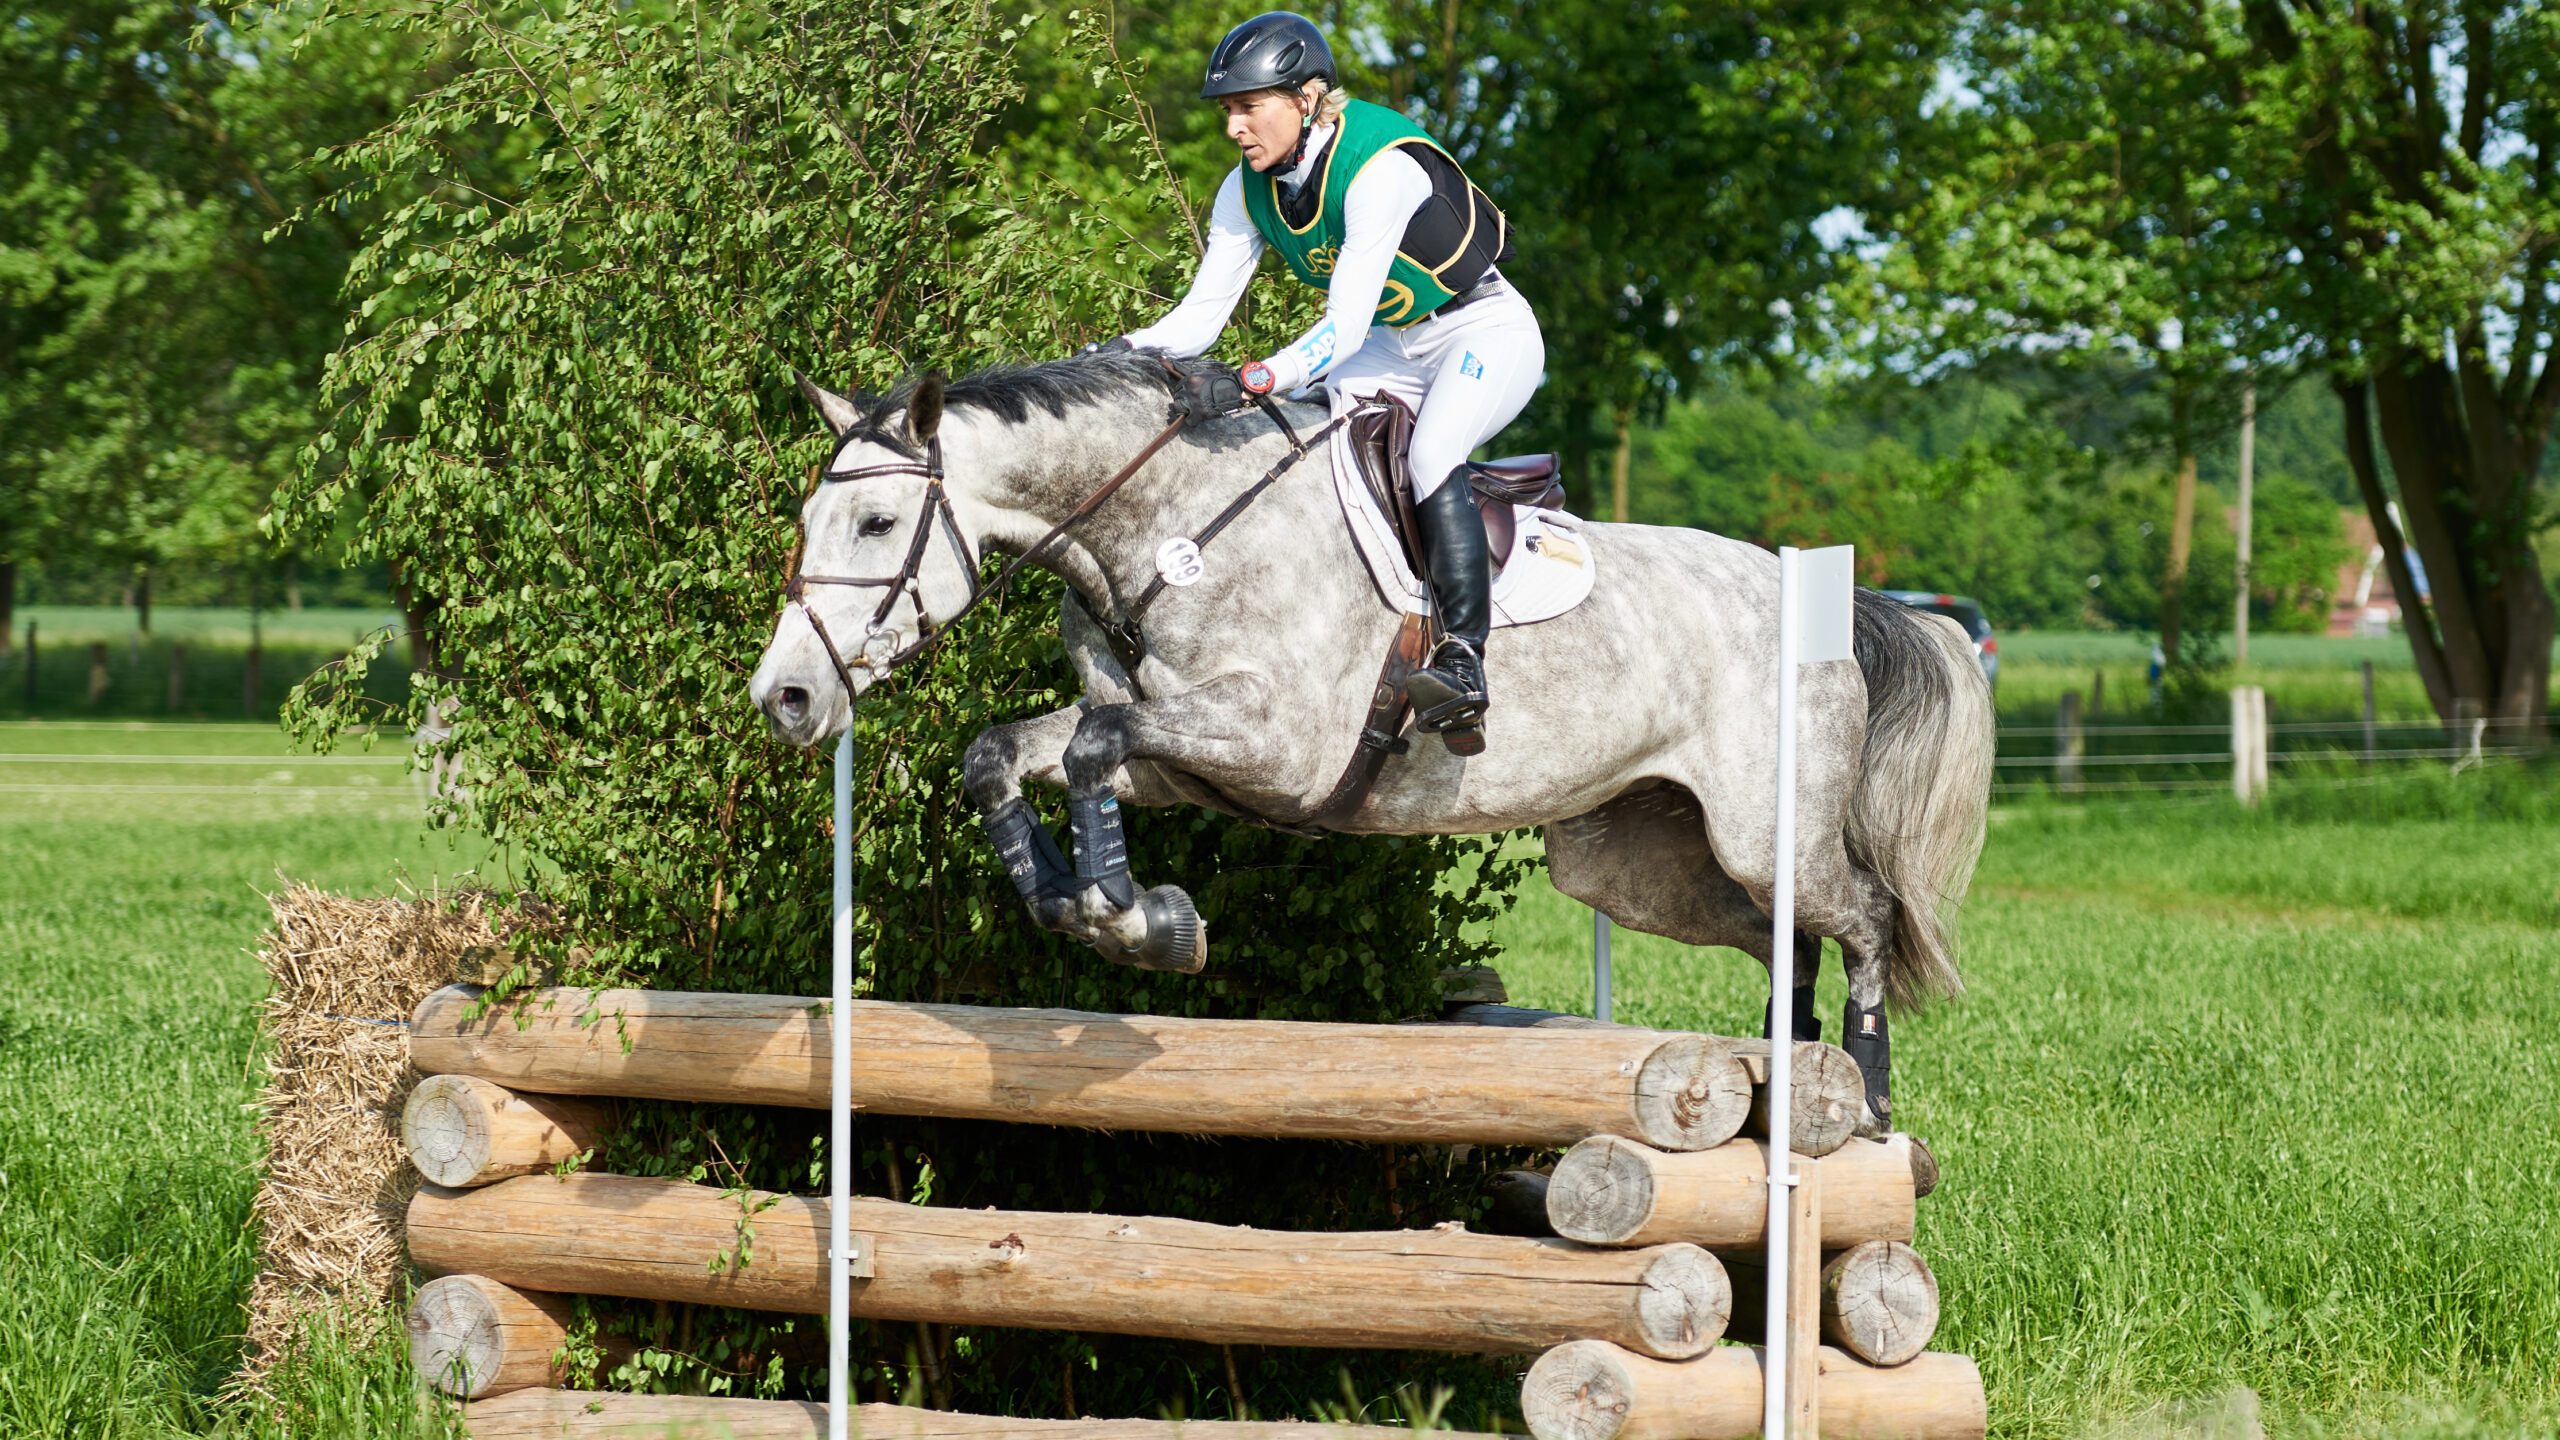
(1872, 1126)
(1177, 940)
(1463, 743)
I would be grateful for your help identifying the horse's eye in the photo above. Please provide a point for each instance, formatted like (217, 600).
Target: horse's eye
(878, 525)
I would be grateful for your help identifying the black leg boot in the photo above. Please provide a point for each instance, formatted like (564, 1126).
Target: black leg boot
(1449, 694)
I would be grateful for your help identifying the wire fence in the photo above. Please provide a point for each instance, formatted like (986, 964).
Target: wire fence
(2096, 759)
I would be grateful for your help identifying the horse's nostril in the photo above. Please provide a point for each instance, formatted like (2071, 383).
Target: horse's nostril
(792, 700)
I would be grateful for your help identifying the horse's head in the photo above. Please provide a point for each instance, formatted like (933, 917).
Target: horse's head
(883, 562)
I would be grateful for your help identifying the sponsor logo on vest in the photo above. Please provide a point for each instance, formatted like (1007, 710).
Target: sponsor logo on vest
(1395, 302)
(1321, 259)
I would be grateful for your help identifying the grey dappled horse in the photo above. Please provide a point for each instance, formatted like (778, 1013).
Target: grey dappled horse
(1638, 730)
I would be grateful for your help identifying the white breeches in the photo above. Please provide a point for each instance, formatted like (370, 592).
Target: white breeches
(1464, 377)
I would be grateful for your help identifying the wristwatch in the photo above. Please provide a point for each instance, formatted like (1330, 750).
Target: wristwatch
(1257, 378)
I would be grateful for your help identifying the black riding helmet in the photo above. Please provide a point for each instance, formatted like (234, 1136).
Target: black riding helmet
(1274, 51)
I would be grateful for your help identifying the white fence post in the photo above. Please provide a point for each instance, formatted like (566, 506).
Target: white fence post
(2248, 743)
(840, 1112)
(1600, 1006)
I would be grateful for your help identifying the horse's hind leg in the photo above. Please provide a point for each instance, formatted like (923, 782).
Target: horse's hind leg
(1643, 860)
(1864, 953)
(1837, 897)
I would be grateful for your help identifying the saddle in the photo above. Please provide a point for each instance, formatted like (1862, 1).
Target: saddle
(1380, 437)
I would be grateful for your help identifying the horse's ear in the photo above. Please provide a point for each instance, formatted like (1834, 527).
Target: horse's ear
(840, 411)
(924, 408)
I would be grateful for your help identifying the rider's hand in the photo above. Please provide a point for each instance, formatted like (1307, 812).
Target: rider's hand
(1209, 396)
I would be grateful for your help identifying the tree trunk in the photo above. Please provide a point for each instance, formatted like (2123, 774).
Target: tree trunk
(420, 613)
(1389, 1084)
(597, 1414)
(2466, 499)
(1438, 1289)
(2182, 521)
(2355, 402)
(1589, 1390)
(1625, 419)
(461, 1131)
(8, 603)
(1609, 1190)
(142, 602)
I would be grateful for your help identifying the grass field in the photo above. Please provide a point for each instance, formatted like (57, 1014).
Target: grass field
(2238, 1105)
(211, 675)
(131, 863)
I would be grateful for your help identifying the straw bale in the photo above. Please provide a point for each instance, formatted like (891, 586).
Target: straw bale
(347, 973)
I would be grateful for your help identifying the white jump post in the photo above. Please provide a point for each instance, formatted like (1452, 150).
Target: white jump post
(1814, 600)
(1600, 1005)
(840, 1113)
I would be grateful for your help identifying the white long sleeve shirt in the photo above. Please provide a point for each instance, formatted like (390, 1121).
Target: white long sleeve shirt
(1377, 206)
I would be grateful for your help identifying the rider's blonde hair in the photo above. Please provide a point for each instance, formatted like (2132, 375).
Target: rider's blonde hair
(1329, 108)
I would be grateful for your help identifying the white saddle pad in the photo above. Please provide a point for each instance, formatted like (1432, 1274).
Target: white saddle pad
(1547, 571)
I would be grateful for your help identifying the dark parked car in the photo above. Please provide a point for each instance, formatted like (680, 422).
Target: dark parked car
(1966, 612)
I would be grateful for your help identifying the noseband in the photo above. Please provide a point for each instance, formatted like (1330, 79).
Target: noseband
(937, 502)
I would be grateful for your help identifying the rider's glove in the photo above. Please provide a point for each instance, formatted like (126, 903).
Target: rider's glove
(1206, 397)
(1120, 342)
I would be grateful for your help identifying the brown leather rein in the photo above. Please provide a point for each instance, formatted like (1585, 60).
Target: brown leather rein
(937, 505)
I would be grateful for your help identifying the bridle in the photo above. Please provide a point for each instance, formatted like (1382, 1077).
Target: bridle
(937, 503)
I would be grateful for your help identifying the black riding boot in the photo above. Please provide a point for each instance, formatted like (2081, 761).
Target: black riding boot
(1449, 694)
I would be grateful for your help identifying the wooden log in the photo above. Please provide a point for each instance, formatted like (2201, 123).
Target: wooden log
(1388, 1083)
(609, 1415)
(1591, 1390)
(1613, 1191)
(1826, 1091)
(462, 1131)
(470, 1336)
(1878, 1301)
(1441, 1289)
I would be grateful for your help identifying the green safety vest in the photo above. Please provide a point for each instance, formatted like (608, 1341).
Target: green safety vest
(1414, 283)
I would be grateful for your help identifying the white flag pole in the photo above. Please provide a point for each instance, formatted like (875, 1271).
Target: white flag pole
(1600, 1006)
(840, 1113)
(1782, 955)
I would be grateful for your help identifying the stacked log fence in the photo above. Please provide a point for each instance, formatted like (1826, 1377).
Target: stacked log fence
(1640, 1262)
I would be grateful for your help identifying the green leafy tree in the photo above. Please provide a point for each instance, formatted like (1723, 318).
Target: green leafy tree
(2072, 201)
(2367, 191)
(163, 349)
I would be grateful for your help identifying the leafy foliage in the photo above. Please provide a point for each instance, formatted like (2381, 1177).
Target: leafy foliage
(567, 412)
(162, 352)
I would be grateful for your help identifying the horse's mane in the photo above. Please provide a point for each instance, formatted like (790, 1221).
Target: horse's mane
(1012, 391)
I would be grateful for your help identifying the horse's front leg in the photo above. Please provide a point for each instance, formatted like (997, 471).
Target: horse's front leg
(993, 770)
(1209, 731)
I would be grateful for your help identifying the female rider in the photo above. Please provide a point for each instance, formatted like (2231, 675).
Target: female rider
(1358, 200)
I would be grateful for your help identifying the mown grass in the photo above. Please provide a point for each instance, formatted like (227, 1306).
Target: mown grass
(129, 907)
(213, 674)
(2237, 1101)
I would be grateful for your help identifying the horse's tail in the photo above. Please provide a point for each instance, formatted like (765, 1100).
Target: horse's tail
(1924, 785)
